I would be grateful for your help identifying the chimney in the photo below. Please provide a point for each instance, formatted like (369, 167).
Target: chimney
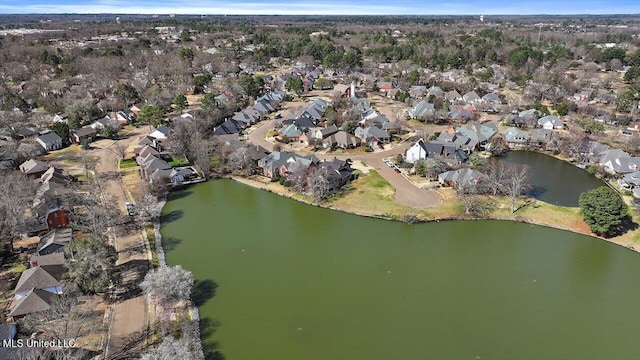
(353, 90)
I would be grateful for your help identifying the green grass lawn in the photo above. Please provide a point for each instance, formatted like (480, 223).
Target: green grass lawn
(178, 162)
(128, 163)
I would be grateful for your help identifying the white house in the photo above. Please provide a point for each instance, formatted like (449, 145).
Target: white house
(550, 122)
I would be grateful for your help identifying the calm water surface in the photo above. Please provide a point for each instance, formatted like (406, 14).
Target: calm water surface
(554, 181)
(299, 282)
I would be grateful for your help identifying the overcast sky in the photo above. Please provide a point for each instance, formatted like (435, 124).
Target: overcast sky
(323, 7)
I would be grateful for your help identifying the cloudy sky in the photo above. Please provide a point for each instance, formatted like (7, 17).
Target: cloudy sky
(323, 7)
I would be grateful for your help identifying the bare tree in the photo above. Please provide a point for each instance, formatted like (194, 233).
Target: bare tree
(515, 184)
(120, 150)
(170, 349)
(239, 160)
(300, 178)
(474, 205)
(497, 174)
(66, 319)
(168, 284)
(16, 197)
(319, 185)
(96, 216)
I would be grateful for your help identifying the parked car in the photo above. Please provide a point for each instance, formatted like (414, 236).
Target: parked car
(396, 170)
(130, 208)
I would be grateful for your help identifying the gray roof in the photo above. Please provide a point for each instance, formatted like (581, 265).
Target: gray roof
(156, 164)
(7, 331)
(342, 139)
(632, 178)
(164, 130)
(550, 119)
(56, 236)
(471, 96)
(34, 301)
(465, 177)
(290, 131)
(47, 260)
(372, 132)
(421, 110)
(515, 135)
(37, 278)
(85, 131)
(50, 138)
(32, 166)
(452, 95)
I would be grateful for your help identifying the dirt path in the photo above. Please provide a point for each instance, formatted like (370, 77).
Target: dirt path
(128, 321)
(406, 193)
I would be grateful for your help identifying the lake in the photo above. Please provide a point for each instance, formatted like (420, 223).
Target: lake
(296, 281)
(554, 181)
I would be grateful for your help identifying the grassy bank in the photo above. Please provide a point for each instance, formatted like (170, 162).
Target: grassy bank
(372, 195)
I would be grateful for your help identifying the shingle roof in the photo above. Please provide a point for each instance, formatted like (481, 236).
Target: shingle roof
(34, 301)
(56, 236)
(37, 278)
(32, 166)
(50, 138)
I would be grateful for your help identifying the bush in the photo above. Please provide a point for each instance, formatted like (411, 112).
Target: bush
(592, 169)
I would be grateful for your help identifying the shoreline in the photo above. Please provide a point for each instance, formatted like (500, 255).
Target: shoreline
(192, 310)
(283, 192)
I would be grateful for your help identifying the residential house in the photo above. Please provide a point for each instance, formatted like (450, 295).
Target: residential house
(61, 117)
(480, 134)
(550, 122)
(341, 139)
(280, 163)
(421, 110)
(634, 126)
(463, 178)
(527, 118)
(154, 169)
(34, 168)
(341, 90)
(448, 152)
(515, 137)
(105, 122)
(23, 133)
(630, 180)
(45, 278)
(229, 127)
(453, 97)
(184, 174)
(384, 86)
(616, 161)
(322, 133)
(50, 141)
(542, 137)
(32, 302)
(471, 97)
(391, 127)
(54, 259)
(161, 133)
(417, 91)
(83, 134)
(290, 133)
(336, 172)
(461, 115)
(436, 91)
(372, 135)
(54, 241)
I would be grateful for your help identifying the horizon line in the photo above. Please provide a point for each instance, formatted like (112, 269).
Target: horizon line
(323, 15)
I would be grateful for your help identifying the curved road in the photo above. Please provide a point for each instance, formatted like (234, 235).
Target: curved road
(406, 193)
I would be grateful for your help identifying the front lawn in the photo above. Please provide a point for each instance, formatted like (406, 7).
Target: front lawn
(128, 163)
